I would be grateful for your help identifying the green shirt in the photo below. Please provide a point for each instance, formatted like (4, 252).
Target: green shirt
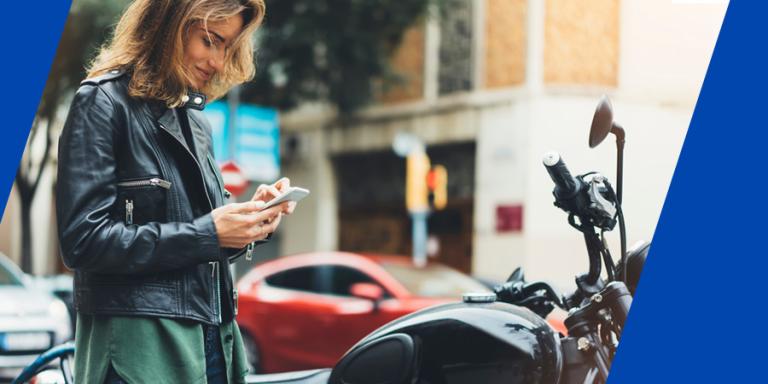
(151, 350)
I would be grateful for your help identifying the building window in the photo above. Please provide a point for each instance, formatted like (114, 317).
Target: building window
(455, 51)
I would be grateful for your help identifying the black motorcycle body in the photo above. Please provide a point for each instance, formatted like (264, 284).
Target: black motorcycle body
(483, 342)
(467, 342)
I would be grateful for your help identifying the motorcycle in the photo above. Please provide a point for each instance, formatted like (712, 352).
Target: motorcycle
(502, 336)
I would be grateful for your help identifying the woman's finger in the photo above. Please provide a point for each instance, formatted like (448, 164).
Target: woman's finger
(272, 226)
(286, 207)
(247, 219)
(269, 191)
(264, 215)
(259, 194)
(265, 192)
(283, 184)
(245, 207)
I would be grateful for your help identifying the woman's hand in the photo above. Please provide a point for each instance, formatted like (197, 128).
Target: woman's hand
(239, 224)
(266, 193)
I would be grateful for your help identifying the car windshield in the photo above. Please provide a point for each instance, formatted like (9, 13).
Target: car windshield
(434, 280)
(7, 277)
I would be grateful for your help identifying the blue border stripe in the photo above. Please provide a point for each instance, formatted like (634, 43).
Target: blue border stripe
(29, 44)
(696, 317)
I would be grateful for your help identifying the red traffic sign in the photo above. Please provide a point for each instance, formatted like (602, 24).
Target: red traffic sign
(234, 180)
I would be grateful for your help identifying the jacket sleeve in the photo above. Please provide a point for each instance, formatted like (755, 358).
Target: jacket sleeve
(86, 190)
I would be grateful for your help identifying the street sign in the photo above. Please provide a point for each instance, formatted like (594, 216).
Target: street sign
(218, 115)
(509, 218)
(234, 180)
(255, 142)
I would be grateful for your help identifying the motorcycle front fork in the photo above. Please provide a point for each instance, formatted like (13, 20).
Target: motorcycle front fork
(586, 359)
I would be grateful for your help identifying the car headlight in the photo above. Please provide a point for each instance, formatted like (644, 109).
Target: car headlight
(60, 314)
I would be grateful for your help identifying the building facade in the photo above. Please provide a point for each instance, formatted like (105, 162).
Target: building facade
(489, 87)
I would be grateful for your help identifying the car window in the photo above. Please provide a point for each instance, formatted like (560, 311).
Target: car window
(7, 277)
(342, 279)
(324, 279)
(300, 279)
(434, 280)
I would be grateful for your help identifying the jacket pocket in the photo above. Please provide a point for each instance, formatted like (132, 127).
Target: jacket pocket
(142, 200)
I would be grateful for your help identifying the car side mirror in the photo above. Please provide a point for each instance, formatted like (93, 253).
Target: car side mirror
(367, 291)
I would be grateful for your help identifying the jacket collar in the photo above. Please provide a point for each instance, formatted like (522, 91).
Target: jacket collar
(168, 120)
(194, 100)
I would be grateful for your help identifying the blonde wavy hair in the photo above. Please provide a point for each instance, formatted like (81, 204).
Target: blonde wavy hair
(149, 42)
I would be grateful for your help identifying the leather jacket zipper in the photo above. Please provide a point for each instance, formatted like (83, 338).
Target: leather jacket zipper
(151, 182)
(128, 211)
(214, 264)
(216, 291)
(249, 252)
(155, 182)
(234, 297)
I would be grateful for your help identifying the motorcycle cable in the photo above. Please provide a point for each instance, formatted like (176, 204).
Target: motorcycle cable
(610, 267)
(623, 237)
(619, 216)
(551, 295)
(594, 245)
(539, 297)
(622, 231)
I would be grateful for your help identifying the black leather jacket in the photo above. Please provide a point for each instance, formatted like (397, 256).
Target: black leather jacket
(133, 207)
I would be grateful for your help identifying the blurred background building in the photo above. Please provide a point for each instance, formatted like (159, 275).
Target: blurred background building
(489, 87)
(492, 88)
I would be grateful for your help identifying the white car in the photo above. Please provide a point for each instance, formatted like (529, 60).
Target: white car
(31, 320)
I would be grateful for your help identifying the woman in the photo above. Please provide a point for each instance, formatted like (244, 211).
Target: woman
(140, 202)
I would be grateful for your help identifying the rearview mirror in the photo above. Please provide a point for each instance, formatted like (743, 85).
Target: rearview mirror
(602, 122)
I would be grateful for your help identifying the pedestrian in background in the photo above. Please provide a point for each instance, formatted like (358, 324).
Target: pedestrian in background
(141, 206)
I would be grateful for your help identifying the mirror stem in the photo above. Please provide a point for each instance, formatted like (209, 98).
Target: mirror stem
(618, 131)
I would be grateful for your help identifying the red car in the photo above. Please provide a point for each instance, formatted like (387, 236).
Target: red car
(306, 311)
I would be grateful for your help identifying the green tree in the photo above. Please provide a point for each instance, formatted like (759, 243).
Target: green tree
(310, 50)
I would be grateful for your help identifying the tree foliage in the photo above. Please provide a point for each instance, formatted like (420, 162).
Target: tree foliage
(310, 50)
(88, 26)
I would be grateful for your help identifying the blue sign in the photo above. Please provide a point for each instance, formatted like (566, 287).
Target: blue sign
(218, 115)
(256, 139)
(257, 142)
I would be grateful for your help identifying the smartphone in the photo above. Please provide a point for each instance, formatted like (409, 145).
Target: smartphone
(291, 194)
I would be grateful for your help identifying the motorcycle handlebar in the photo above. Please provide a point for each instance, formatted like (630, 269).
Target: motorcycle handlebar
(565, 184)
(620, 300)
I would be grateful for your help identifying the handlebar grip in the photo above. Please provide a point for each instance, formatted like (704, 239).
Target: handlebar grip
(565, 184)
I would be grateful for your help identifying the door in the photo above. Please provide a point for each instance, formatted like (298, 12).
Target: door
(371, 201)
(312, 319)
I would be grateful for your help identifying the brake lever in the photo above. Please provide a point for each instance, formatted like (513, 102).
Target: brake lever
(538, 297)
(602, 210)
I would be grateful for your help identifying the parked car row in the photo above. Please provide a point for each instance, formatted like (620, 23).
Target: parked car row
(297, 312)
(32, 319)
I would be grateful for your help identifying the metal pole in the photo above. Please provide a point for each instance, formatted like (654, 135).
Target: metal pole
(419, 221)
(233, 101)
